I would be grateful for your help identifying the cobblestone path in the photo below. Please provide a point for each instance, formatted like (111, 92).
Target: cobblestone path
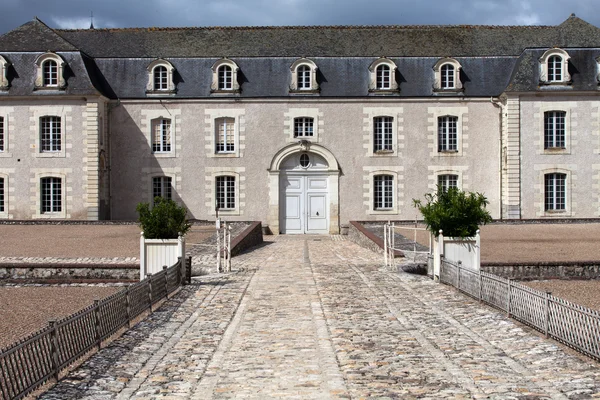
(316, 318)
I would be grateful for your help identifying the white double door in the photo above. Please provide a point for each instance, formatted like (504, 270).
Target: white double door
(305, 205)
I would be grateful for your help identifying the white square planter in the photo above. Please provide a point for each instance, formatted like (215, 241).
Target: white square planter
(156, 253)
(465, 250)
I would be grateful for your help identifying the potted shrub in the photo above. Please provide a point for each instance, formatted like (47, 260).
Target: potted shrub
(162, 239)
(453, 218)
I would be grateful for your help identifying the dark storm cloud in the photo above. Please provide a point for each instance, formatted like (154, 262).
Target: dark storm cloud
(128, 13)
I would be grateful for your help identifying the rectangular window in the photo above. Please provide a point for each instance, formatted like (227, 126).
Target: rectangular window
(555, 69)
(303, 77)
(225, 77)
(50, 73)
(51, 196)
(2, 134)
(161, 187)
(383, 77)
(160, 78)
(161, 135)
(382, 134)
(447, 71)
(554, 129)
(383, 192)
(50, 135)
(447, 133)
(225, 135)
(303, 127)
(225, 192)
(447, 181)
(555, 195)
(1, 195)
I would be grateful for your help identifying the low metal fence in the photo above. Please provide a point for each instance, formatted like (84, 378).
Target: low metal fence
(42, 356)
(574, 325)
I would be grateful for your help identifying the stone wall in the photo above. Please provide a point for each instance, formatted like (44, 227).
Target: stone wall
(365, 238)
(69, 273)
(250, 237)
(545, 270)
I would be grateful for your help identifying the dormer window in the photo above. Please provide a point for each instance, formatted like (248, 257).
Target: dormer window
(50, 72)
(447, 76)
(225, 77)
(304, 76)
(160, 78)
(554, 67)
(4, 64)
(383, 76)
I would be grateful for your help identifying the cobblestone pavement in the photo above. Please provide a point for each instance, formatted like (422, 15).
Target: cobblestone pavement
(317, 317)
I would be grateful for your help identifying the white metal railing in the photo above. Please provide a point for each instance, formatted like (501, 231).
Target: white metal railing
(574, 325)
(389, 239)
(223, 246)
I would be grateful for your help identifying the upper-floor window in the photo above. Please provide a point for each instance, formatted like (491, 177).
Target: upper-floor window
(161, 135)
(382, 134)
(447, 75)
(383, 76)
(2, 209)
(554, 192)
(161, 187)
(160, 78)
(225, 135)
(304, 76)
(303, 127)
(383, 192)
(554, 67)
(50, 134)
(225, 192)
(554, 129)
(447, 181)
(2, 139)
(225, 78)
(447, 133)
(4, 64)
(51, 195)
(50, 72)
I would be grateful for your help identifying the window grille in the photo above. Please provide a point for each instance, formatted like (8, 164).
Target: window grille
(225, 135)
(383, 192)
(447, 181)
(447, 76)
(50, 73)
(51, 192)
(50, 135)
(554, 129)
(2, 134)
(555, 194)
(447, 133)
(555, 69)
(1, 195)
(161, 78)
(384, 77)
(161, 135)
(161, 187)
(382, 133)
(303, 127)
(303, 74)
(225, 77)
(225, 192)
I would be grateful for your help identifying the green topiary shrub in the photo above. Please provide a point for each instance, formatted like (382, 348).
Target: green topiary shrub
(456, 213)
(163, 221)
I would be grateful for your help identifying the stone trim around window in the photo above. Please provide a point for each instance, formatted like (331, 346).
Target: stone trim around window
(211, 115)
(393, 87)
(151, 88)
(570, 108)
(149, 173)
(210, 179)
(4, 66)
(438, 85)
(369, 174)
(570, 171)
(369, 115)
(65, 174)
(314, 84)
(436, 171)
(545, 78)
(235, 85)
(461, 130)
(36, 113)
(39, 77)
(146, 126)
(288, 122)
(8, 129)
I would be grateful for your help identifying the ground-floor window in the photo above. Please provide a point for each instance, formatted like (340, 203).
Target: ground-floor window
(383, 192)
(1, 195)
(554, 194)
(51, 192)
(161, 187)
(225, 192)
(447, 181)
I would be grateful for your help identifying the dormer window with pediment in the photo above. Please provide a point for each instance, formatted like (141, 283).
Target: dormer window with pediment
(50, 72)
(304, 77)
(160, 77)
(447, 76)
(383, 76)
(225, 77)
(4, 64)
(554, 67)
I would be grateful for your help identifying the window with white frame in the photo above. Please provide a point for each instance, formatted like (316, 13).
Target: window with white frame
(447, 181)
(50, 134)
(161, 135)
(225, 192)
(555, 191)
(161, 78)
(304, 76)
(447, 76)
(162, 187)
(554, 129)
(554, 67)
(2, 138)
(51, 195)
(225, 135)
(304, 81)
(303, 127)
(50, 73)
(383, 192)
(4, 65)
(447, 133)
(384, 77)
(225, 76)
(382, 134)
(2, 195)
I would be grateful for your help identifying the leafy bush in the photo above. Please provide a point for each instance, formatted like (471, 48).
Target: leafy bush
(456, 213)
(163, 221)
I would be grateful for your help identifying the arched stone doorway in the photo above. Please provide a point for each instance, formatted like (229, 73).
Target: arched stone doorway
(303, 190)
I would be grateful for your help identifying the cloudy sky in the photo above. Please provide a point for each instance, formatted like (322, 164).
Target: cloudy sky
(138, 13)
